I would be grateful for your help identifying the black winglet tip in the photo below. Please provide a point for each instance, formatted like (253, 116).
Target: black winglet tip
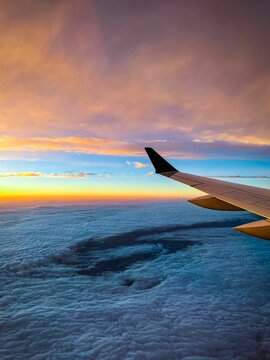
(159, 163)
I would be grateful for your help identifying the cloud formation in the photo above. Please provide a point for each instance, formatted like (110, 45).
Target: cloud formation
(11, 145)
(126, 70)
(67, 144)
(137, 164)
(67, 175)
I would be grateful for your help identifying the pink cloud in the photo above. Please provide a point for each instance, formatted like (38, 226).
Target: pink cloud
(89, 146)
(96, 77)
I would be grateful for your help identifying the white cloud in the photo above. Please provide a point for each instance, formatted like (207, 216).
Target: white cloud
(137, 164)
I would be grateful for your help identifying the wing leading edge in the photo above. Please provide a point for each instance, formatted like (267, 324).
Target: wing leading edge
(222, 195)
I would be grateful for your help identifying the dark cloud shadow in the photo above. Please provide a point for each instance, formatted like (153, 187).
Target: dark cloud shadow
(96, 257)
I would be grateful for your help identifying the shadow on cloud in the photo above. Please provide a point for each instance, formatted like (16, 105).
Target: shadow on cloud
(122, 251)
(117, 253)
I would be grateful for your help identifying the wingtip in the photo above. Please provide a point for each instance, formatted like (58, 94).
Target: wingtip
(160, 164)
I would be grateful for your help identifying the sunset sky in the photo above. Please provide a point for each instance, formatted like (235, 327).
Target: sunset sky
(86, 85)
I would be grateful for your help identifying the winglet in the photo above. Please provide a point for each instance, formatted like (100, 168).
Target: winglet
(160, 164)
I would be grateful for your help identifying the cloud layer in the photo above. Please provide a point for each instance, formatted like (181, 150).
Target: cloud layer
(40, 174)
(102, 146)
(130, 73)
(107, 283)
(67, 175)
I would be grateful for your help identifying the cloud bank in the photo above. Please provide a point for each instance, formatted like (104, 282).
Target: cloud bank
(69, 175)
(11, 145)
(126, 70)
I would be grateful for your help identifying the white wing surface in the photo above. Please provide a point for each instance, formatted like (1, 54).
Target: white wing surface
(222, 195)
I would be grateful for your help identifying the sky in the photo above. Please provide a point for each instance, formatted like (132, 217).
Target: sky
(86, 85)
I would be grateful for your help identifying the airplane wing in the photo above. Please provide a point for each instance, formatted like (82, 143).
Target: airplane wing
(222, 195)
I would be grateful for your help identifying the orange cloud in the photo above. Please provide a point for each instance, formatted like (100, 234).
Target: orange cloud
(210, 136)
(72, 74)
(68, 144)
(54, 175)
(91, 146)
(21, 174)
(208, 146)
